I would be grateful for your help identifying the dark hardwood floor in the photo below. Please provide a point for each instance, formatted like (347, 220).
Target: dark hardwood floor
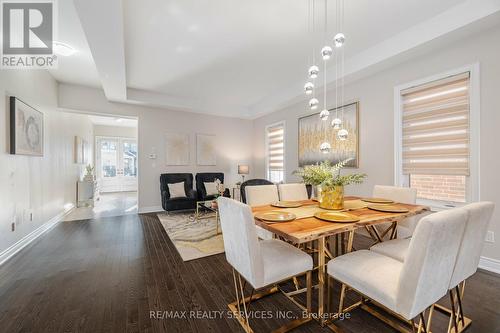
(108, 275)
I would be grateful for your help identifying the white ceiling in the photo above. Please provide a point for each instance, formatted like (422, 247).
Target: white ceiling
(235, 58)
(113, 121)
(80, 67)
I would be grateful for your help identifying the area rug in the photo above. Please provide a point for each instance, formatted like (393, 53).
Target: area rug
(192, 238)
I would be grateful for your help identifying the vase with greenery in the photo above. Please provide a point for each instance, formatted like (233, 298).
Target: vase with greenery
(89, 176)
(330, 182)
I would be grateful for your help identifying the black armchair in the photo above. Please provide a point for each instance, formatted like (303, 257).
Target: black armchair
(252, 182)
(171, 204)
(207, 177)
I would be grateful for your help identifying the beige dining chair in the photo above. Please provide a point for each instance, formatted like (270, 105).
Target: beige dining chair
(406, 289)
(466, 264)
(404, 195)
(260, 195)
(261, 263)
(292, 192)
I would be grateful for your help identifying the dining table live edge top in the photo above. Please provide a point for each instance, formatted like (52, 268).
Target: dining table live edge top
(310, 228)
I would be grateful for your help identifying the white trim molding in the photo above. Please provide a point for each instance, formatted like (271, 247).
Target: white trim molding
(490, 264)
(26, 240)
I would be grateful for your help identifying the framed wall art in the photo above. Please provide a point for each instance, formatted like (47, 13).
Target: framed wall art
(26, 129)
(313, 132)
(206, 149)
(176, 149)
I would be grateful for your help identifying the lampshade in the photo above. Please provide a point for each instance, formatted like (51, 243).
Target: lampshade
(243, 169)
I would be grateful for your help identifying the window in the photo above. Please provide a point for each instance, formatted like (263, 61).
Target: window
(275, 147)
(434, 153)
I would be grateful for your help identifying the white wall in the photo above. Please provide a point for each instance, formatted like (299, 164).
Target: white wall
(115, 131)
(41, 185)
(375, 94)
(234, 137)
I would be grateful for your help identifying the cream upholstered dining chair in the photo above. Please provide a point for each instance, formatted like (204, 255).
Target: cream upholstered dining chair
(262, 263)
(292, 192)
(467, 261)
(406, 288)
(260, 195)
(404, 195)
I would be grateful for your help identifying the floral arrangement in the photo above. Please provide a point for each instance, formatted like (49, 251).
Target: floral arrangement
(328, 176)
(220, 187)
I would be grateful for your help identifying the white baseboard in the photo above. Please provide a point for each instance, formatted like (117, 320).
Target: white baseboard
(26, 240)
(150, 209)
(489, 264)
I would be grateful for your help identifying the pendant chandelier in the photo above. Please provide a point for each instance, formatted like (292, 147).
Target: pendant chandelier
(328, 53)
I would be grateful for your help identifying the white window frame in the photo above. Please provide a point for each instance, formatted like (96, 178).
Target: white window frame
(279, 123)
(473, 181)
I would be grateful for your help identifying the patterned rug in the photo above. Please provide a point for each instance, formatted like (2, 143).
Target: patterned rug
(193, 239)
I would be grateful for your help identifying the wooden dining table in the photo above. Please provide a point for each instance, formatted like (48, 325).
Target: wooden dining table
(307, 229)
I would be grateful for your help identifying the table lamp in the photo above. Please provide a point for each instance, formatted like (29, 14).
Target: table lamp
(243, 170)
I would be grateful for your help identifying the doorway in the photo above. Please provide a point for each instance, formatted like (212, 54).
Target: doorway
(116, 164)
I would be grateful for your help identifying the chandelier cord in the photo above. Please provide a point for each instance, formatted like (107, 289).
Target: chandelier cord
(325, 61)
(342, 62)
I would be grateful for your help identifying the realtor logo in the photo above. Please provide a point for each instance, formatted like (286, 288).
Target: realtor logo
(28, 34)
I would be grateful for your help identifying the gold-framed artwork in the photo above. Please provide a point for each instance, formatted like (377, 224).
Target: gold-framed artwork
(313, 131)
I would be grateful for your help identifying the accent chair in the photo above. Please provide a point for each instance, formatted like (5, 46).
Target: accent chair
(180, 203)
(208, 177)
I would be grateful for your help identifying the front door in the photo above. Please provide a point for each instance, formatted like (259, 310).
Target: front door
(116, 164)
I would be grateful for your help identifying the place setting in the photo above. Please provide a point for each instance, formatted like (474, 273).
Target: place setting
(275, 216)
(384, 205)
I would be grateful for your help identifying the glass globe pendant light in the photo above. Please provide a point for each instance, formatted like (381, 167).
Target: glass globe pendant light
(313, 103)
(326, 52)
(323, 115)
(342, 134)
(313, 71)
(308, 88)
(339, 39)
(336, 123)
(325, 148)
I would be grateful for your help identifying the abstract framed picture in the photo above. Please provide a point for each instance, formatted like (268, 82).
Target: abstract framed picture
(176, 149)
(313, 132)
(26, 129)
(205, 149)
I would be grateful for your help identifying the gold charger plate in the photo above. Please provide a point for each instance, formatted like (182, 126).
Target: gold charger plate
(354, 204)
(336, 217)
(275, 216)
(389, 208)
(287, 204)
(378, 200)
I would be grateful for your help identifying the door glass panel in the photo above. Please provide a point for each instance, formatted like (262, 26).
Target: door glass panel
(109, 158)
(129, 159)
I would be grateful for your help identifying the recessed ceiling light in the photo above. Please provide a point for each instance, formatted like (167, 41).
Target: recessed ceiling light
(63, 49)
(119, 120)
